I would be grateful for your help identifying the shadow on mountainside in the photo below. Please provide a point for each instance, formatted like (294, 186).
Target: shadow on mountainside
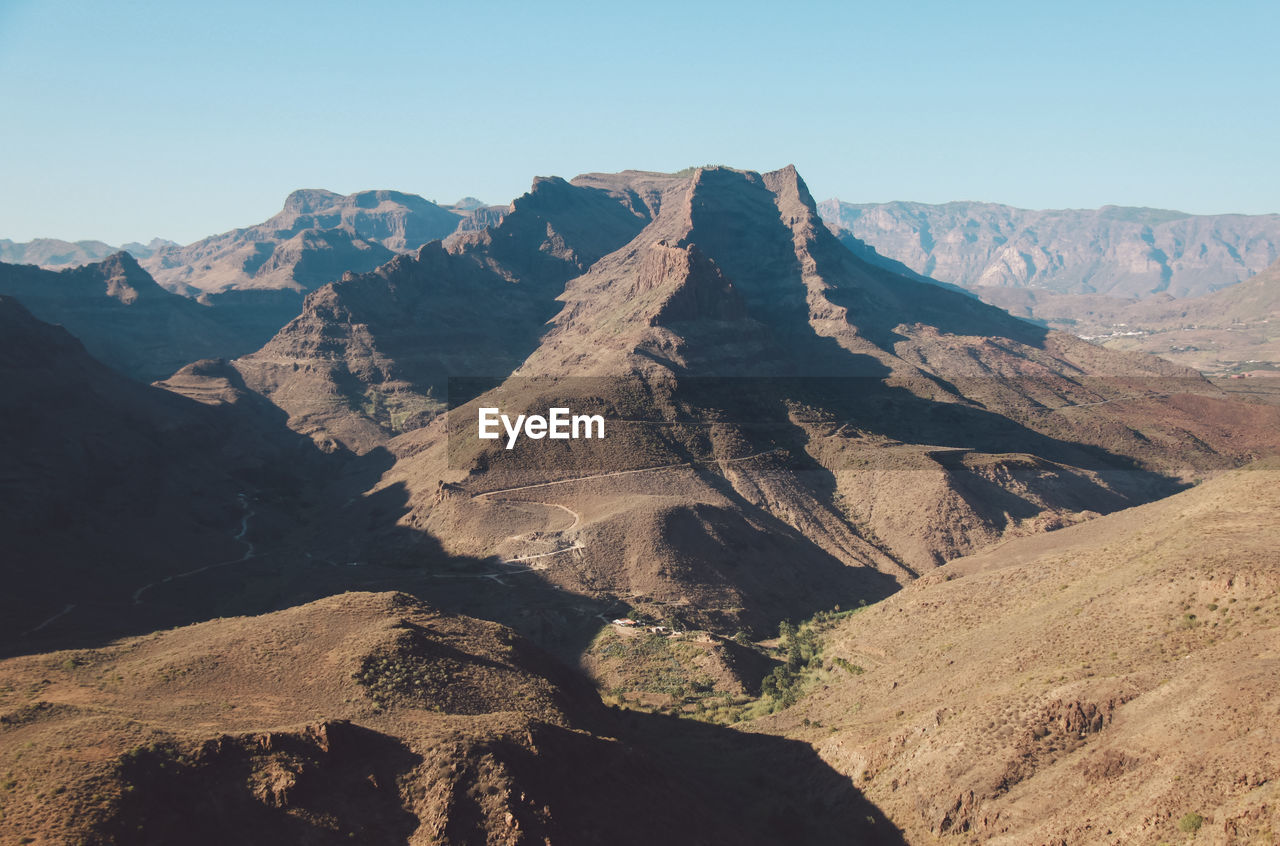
(348, 791)
(301, 537)
(796, 290)
(780, 789)
(613, 777)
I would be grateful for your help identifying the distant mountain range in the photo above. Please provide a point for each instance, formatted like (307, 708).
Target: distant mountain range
(1114, 250)
(55, 254)
(315, 238)
(135, 307)
(1127, 278)
(1231, 331)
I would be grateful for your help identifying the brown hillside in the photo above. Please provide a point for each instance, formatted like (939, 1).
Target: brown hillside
(1096, 685)
(927, 424)
(371, 718)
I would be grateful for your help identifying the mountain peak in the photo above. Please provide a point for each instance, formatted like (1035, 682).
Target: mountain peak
(309, 200)
(124, 278)
(791, 190)
(544, 190)
(467, 204)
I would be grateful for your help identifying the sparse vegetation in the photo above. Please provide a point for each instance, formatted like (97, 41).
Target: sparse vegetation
(1191, 822)
(801, 648)
(658, 666)
(392, 677)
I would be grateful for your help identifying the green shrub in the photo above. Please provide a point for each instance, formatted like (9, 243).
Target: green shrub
(1191, 822)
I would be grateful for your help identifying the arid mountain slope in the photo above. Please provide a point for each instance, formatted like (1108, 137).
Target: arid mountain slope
(371, 355)
(315, 238)
(125, 319)
(109, 484)
(1095, 685)
(1123, 252)
(372, 718)
(774, 405)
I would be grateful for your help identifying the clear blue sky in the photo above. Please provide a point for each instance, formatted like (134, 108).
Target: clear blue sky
(128, 120)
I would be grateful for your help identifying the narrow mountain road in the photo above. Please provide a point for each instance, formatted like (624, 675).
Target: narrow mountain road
(67, 610)
(1108, 402)
(577, 518)
(719, 461)
(521, 558)
(249, 553)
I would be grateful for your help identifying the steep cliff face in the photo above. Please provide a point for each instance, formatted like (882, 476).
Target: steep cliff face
(1125, 252)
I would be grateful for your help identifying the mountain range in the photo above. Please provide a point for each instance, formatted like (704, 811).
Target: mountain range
(314, 239)
(55, 254)
(128, 321)
(1115, 250)
(393, 630)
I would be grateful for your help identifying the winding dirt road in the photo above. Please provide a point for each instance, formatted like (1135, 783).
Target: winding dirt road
(720, 461)
(249, 553)
(577, 518)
